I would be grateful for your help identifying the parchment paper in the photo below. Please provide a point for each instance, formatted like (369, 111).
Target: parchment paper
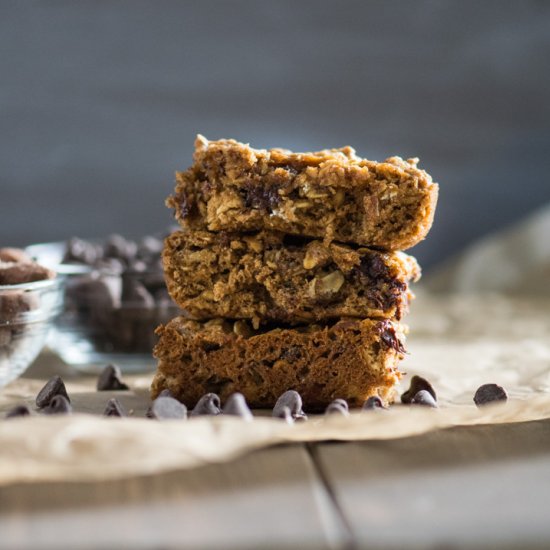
(458, 342)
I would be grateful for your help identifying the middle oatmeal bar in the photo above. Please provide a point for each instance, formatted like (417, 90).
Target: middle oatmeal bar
(268, 276)
(331, 194)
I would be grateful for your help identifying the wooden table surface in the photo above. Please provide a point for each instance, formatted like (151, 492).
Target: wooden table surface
(475, 487)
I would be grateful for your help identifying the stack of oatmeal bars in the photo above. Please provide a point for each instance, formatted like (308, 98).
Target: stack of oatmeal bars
(290, 271)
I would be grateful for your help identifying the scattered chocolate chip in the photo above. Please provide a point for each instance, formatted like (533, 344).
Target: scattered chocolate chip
(110, 379)
(114, 408)
(338, 406)
(54, 386)
(488, 393)
(236, 406)
(373, 403)
(168, 408)
(18, 410)
(208, 404)
(285, 414)
(292, 400)
(58, 405)
(425, 398)
(417, 384)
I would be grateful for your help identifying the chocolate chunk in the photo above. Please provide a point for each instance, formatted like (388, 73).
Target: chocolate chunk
(488, 393)
(338, 406)
(292, 400)
(58, 405)
(54, 386)
(373, 403)
(417, 384)
(110, 379)
(261, 197)
(236, 406)
(389, 338)
(114, 408)
(208, 404)
(168, 408)
(18, 410)
(425, 398)
(372, 266)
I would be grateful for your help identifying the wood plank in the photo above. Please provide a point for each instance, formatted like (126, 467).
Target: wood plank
(482, 486)
(271, 497)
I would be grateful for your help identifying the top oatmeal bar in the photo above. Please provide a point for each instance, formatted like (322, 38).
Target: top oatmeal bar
(331, 194)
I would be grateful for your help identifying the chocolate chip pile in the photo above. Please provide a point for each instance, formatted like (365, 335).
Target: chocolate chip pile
(54, 399)
(123, 297)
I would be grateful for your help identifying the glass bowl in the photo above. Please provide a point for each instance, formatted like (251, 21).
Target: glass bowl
(27, 312)
(107, 317)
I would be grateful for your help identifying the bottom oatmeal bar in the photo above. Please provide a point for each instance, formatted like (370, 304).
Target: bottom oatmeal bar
(351, 359)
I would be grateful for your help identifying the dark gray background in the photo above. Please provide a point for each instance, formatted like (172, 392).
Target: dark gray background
(100, 103)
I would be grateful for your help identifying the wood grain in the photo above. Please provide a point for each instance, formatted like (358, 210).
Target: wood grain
(483, 486)
(271, 498)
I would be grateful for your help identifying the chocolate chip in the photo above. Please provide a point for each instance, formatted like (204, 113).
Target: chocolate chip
(261, 197)
(488, 393)
(338, 406)
(110, 379)
(164, 393)
(148, 247)
(417, 384)
(114, 408)
(54, 386)
(135, 293)
(18, 410)
(236, 406)
(425, 398)
(373, 403)
(78, 250)
(118, 247)
(208, 404)
(58, 405)
(292, 400)
(186, 205)
(168, 408)
(285, 414)
(389, 338)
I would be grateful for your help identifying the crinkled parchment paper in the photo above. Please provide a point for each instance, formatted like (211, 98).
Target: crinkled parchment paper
(458, 342)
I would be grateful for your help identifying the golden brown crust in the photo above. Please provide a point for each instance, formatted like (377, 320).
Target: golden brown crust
(266, 276)
(331, 194)
(351, 359)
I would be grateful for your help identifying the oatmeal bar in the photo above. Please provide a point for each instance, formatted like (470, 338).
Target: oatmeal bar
(273, 277)
(331, 194)
(352, 359)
